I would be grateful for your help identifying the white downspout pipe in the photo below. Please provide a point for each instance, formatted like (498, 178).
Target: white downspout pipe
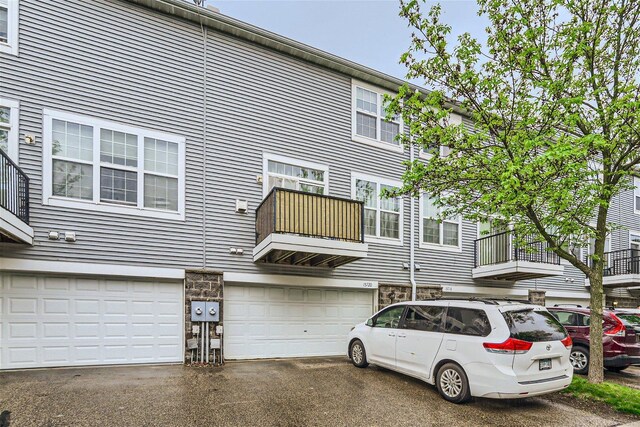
(412, 274)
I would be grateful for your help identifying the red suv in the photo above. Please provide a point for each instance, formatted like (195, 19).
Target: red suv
(621, 343)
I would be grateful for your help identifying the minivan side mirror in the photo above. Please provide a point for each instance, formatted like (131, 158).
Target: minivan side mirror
(369, 322)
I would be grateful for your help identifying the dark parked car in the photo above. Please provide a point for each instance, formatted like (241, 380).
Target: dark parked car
(629, 317)
(621, 341)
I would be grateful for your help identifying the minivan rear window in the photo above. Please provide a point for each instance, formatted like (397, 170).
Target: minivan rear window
(534, 326)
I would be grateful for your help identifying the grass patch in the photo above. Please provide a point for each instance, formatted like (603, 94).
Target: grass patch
(619, 397)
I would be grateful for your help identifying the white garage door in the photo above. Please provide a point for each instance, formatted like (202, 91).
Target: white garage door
(62, 321)
(263, 322)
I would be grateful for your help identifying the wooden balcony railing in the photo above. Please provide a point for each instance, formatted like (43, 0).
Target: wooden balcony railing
(311, 215)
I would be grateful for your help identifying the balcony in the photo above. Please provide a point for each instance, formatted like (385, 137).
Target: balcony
(621, 269)
(14, 203)
(498, 257)
(297, 228)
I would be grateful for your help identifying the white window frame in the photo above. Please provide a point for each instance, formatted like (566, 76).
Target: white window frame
(636, 194)
(377, 142)
(14, 120)
(380, 181)
(454, 119)
(11, 45)
(439, 246)
(95, 204)
(633, 233)
(296, 162)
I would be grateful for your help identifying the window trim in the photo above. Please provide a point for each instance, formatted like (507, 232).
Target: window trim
(11, 45)
(454, 119)
(438, 246)
(636, 194)
(95, 204)
(380, 181)
(14, 121)
(363, 139)
(282, 159)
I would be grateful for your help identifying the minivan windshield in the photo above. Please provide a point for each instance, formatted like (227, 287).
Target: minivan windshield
(534, 325)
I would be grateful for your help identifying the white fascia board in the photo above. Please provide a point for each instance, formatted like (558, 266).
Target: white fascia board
(509, 292)
(233, 278)
(517, 267)
(288, 242)
(91, 269)
(10, 224)
(618, 281)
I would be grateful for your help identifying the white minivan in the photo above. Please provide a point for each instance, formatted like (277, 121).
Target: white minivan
(475, 347)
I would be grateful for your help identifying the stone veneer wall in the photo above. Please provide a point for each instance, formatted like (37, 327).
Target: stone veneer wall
(537, 297)
(391, 293)
(201, 285)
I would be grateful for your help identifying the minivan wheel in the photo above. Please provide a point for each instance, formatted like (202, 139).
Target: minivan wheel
(358, 355)
(579, 358)
(453, 384)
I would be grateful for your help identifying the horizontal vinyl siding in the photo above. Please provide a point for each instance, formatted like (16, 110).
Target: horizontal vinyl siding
(118, 62)
(263, 102)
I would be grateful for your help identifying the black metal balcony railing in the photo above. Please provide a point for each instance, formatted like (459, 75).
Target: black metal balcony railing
(14, 188)
(624, 261)
(505, 247)
(311, 215)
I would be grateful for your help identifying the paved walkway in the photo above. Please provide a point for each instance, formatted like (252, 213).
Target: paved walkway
(321, 391)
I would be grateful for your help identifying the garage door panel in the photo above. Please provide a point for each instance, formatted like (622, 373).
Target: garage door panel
(291, 322)
(58, 321)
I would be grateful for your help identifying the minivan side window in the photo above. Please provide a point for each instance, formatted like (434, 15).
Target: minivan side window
(467, 321)
(389, 318)
(423, 318)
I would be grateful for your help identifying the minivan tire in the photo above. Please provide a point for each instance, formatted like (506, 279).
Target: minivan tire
(579, 357)
(453, 384)
(358, 355)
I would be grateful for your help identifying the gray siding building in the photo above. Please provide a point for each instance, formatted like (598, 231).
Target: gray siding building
(156, 153)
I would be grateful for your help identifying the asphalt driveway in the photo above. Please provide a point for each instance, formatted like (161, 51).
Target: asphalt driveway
(321, 391)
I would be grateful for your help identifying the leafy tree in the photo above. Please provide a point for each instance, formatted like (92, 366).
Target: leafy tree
(554, 135)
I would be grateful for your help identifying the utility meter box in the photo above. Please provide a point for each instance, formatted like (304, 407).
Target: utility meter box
(212, 311)
(215, 343)
(198, 310)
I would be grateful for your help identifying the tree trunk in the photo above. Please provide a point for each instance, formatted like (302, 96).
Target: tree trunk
(596, 372)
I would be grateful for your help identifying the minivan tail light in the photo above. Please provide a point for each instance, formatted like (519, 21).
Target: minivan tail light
(510, 346)
(567, 342)
(619, 330)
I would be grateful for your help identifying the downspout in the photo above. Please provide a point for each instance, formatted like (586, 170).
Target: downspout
(412, 273)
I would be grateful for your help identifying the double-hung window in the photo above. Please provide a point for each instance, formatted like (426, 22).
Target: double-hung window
(9, 26)
(636, 195)
(9, 128)
(382, 216)
(369, 119)
(445, 233)
(101, 165)
(294, 175)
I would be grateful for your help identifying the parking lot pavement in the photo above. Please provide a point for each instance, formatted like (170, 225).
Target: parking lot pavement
(629, 377)
(319, 391)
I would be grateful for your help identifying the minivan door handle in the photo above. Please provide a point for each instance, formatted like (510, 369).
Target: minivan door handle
(392, 335)
(402, 336)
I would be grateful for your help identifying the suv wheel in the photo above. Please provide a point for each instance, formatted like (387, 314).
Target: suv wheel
(358, 355)
(579, 359)
(452, 383)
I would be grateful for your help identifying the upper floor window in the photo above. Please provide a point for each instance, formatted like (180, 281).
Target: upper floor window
(445, 233)
(9, 26)
(636, 195)
(369, 119)
(441, 150)
(100, 165)
(634, 243)
(294, 175)
(9, 128)
(382, 216)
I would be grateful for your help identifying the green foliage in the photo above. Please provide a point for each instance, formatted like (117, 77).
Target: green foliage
(553, 101)
(621, 398)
